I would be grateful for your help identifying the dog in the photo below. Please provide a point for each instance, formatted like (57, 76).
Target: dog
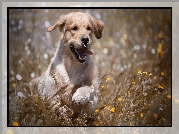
(71, 78)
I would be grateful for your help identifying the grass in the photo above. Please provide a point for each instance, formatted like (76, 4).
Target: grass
(130, 99)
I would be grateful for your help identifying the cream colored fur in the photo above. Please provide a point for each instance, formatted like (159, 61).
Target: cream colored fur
(67, 81)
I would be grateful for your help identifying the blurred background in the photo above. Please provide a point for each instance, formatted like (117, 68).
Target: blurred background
(133, 57)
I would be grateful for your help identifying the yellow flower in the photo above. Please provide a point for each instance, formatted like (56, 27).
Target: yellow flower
(159, 86)
(162, 73)
(96, 111)
(160, 35)
(168, 96)
(150, 74)
(141, 114)
(102, 87)
(112, 110)
(15, 123)
(139, 72)
(155, 77)
(144, 72)
(159, 49)
(119, 99)
(133, 82)
(131, 124)
(107, 79)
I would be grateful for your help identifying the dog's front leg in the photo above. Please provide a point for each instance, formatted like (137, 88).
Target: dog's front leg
(84, 100)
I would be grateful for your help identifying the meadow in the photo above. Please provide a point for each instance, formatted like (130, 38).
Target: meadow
(133, 57)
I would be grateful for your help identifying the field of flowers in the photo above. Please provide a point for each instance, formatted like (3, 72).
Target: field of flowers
(133, 58)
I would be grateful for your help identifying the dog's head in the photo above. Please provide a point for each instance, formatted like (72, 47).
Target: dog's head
(78, 28)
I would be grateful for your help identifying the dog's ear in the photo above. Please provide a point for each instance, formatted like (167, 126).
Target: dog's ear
(98, 27)
(60, 23)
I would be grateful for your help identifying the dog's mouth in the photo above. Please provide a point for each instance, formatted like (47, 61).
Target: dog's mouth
(80, 53)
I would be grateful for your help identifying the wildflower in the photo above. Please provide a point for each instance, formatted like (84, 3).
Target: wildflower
(139, 72)
(112, 110)
(159, 49)
(141, 114)
(18, 77)
(131, 124)
(96, 111)
(102, 87)
(144, 72)
(107, 79)
(15, 123)
(159, 86)
(20, 94)
(119, 99)
(155, 77)
(168, 96)
(150, 74)
(160, 35)
(162, 73)
(133, 82)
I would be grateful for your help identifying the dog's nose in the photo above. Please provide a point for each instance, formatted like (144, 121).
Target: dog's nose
(85, 40)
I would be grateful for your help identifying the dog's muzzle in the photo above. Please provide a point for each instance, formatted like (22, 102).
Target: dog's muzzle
(81, 52)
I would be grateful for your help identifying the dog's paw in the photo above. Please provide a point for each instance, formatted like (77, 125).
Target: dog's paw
(83, 95)
(84, 100)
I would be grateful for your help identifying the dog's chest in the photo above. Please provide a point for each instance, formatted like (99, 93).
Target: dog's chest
(61, 76)
(77, 76)
(73, 76)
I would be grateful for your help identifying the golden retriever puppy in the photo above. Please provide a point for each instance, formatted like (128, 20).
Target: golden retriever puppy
(72, 78)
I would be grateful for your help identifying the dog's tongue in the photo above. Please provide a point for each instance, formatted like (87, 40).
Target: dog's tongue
(86, 51)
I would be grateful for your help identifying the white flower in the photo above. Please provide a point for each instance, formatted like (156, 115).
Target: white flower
(20, 94)
(18, 77)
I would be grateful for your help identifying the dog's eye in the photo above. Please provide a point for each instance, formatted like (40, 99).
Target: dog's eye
(88, 28)
(75, 28)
